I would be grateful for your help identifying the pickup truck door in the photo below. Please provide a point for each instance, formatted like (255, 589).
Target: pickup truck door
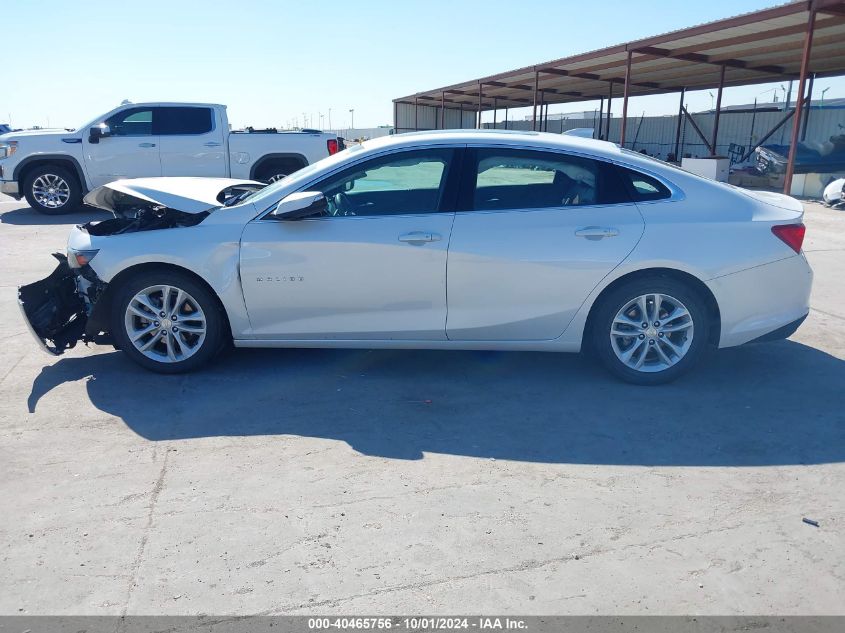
(192, 141)
(373, 266)
(130, 150)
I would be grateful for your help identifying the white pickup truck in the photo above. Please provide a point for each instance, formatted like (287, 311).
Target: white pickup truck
(54, 169)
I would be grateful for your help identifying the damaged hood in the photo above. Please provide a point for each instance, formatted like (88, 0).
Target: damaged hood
(189, 195)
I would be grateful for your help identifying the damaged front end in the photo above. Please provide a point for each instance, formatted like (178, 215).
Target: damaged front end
(69, 305)
(60, 309)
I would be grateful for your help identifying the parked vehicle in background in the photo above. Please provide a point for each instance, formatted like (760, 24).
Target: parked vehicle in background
(554, 243)
(54, 169)
(834, 193)
(821, 157)
(4, 129)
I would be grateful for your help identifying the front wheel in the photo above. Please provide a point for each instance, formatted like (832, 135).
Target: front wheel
(167, 322)
(52, 190)
(651, 331)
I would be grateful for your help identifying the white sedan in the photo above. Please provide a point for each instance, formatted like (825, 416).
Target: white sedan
(444, 240)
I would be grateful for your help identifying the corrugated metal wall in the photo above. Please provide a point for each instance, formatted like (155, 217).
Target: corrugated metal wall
(410, 118)
(655, 134)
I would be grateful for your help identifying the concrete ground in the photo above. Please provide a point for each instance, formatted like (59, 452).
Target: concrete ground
(421, 482)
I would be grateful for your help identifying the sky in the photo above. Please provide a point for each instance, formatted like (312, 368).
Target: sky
(286, 63)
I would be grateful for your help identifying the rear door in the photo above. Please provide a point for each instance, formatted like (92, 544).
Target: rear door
(191, 141)
(535, 232)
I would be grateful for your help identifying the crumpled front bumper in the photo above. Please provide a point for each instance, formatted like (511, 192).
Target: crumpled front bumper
(57, 308)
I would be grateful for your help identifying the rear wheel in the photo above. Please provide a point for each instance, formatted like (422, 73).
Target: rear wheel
(52, 190)
(651, 330)
(167, 322)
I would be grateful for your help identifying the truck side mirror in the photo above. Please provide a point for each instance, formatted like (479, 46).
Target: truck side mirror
(97, 132)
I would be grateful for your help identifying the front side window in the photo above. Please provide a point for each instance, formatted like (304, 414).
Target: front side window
(404, 183)
(170, 121)
(132, 122)
(528, 179)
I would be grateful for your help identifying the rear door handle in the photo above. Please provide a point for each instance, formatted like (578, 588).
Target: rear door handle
(146, 144)
(212, 144)
(596, 232)
(419, 237)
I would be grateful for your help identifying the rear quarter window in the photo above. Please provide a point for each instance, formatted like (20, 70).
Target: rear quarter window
(644, 188)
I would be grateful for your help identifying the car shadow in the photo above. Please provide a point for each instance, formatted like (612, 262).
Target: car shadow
(29, 216)
(773, 404)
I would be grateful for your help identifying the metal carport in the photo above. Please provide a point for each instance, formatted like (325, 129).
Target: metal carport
(800, 40)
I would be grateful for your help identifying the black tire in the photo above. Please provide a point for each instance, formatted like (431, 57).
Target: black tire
(216, 334)
(74, 197)
(614, 301)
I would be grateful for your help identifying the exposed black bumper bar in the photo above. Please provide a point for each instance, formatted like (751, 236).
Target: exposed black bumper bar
(56, 309)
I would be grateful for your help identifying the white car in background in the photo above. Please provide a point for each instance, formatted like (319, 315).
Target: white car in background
(53, 169)
(442, 240)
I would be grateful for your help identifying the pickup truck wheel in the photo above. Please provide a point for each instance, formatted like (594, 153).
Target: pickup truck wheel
(52, 190)
(274, 177)
(167, 322)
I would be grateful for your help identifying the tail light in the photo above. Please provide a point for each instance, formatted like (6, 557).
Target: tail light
(790, 234)
(331, 144)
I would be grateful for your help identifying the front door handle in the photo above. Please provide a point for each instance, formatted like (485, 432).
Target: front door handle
(212, 144)
(419, 237)
(146, 144)
(597, 232)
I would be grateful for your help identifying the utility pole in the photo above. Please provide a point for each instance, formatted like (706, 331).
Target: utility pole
(352, 113)
(330, 118)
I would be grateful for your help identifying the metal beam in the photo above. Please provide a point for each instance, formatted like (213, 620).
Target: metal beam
(718, 111)
(536, 87)
(678, 130)
(799, 104)
(698, 130)
(442, 110)
(609, 101)
(416, 118)
(478, 125)
(597, 132)
(625, 99)
(806, 121)
(698, 58)
(767, 136)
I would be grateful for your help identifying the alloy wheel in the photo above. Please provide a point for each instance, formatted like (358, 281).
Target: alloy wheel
(50, 191)
(165, 323)
(652, 332)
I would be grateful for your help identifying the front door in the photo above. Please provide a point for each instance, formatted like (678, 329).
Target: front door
(131, 150)
(372, 267)
(538, 232)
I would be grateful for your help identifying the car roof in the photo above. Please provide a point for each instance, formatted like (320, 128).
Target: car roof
(497, 137)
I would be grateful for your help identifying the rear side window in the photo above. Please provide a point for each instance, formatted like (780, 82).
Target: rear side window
(180, 120)
(644, 188)
(528, 179)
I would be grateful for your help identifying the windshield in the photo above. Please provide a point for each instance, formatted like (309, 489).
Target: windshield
(303, 174)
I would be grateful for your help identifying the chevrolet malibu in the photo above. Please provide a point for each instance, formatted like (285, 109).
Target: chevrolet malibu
(440, 240)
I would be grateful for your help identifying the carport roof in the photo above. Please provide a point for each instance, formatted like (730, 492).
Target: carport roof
(758, 47)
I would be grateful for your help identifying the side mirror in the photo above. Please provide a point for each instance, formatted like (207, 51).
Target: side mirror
(97, 132)
(303, 204)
